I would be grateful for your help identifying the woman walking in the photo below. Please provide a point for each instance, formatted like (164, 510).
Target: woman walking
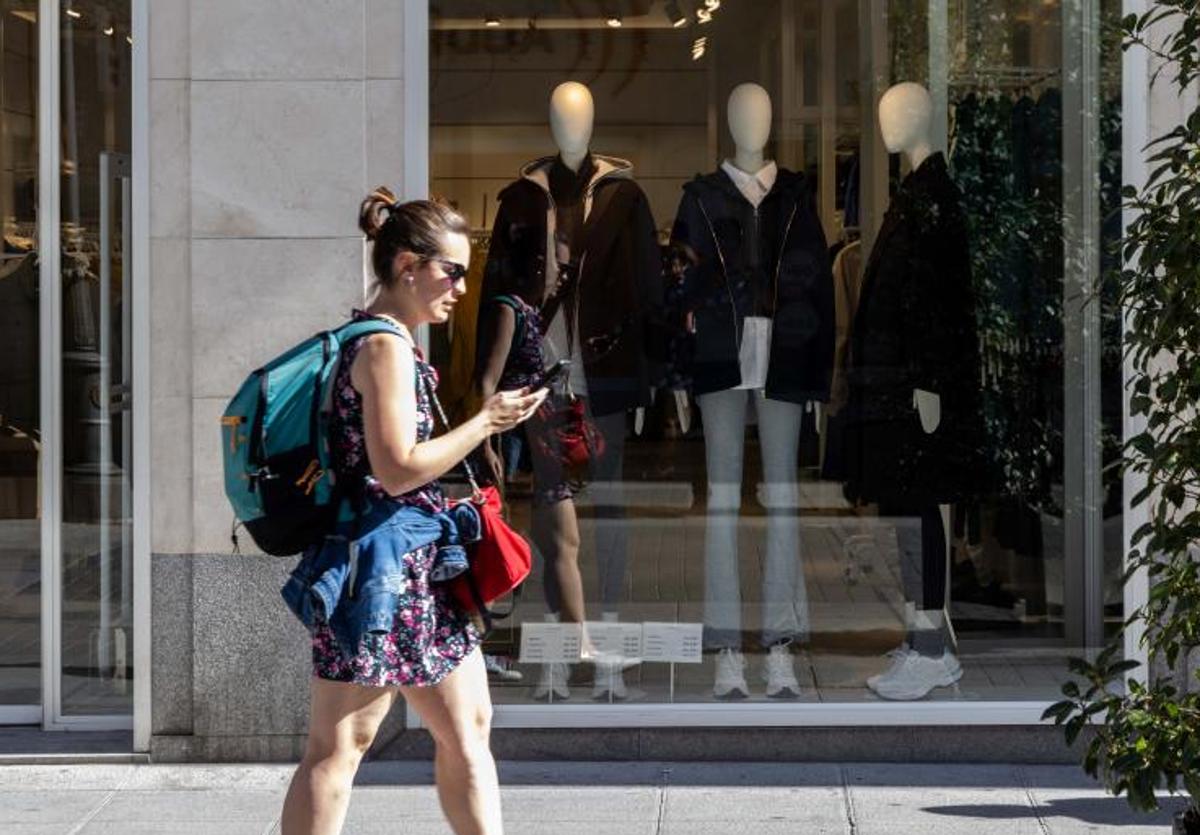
(381, 428)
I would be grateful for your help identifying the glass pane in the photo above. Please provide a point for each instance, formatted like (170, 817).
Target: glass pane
(740, 513)
(97, 600)
(20, 423)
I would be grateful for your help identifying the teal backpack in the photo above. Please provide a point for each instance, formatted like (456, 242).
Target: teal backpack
(275, 441)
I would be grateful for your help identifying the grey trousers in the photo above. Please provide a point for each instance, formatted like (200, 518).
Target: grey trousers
(785, 600)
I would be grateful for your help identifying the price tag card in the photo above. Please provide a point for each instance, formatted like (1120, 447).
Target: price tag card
(675, 643)
(545, 643)
(623, 640)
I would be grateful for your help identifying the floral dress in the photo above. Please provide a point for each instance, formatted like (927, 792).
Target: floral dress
(430, 635)
(526, 360)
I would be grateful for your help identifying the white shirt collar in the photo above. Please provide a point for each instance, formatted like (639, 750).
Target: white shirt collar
(754, 187)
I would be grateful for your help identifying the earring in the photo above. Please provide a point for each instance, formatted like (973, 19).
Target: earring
(409, 278)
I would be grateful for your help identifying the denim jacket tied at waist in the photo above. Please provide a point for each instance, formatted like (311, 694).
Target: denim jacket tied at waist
(354, 582)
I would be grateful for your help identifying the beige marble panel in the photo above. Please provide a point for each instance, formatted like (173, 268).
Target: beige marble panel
(171, 468)
(170, 318)
(277, 39)
(385, 133)
(211, 513)
(169, 39)
(384, 39)
(170, 159)
(276, 159)
(253, 299)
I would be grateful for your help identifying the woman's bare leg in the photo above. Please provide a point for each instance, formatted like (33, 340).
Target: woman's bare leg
(556, 532)
(458, 713)
(343, 720)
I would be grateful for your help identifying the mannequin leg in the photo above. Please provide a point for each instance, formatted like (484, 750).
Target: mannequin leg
(724, 415)
(921, 538)
(785, 598)
(611, 537)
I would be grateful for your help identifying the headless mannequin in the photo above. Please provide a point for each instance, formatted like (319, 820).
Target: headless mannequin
(784, 599)
(905, 116)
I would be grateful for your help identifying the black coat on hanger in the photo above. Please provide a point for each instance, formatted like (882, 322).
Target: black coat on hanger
(915, 328)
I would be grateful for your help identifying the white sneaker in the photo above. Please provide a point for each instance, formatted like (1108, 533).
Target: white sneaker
(916, 675)
(897, 656)
(609, 678)
(780, 674)
(553, 679)
(731, 675)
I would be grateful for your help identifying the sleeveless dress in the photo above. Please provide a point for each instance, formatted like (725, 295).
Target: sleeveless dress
(430, 635)
(526, 360)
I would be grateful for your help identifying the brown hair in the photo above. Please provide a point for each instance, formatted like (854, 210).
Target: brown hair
(393, 227)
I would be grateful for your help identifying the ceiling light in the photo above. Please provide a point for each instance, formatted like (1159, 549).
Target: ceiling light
(614, 22)
(712, 5)
(129, 38)
(74, 14)
(675, 14)
(109, 31)
(491, 21)
(699, 47)
(703, 15)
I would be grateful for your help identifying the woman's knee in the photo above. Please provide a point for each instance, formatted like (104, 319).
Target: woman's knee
(470, 738)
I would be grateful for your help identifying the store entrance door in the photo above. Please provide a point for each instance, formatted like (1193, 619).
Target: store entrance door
(66, 556)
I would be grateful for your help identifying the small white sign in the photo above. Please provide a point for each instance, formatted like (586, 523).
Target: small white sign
(622, 640)
(546, 643)
(674, 643)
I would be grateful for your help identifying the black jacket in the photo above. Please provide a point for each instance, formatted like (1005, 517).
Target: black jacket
(915, 328)
(619, 282)
(737, 262)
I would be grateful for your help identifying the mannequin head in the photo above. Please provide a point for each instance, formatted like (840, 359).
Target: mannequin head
(572, 113)
(749, 114)
(905, 116)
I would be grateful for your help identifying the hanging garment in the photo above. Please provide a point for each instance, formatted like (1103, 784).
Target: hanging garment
(847, 284)
(768, 262)
(616, 289)
(915, 329)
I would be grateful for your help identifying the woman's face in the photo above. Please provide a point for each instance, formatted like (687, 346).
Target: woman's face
(439, 282)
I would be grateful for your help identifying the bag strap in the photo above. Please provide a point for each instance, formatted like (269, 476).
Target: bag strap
(441, 414)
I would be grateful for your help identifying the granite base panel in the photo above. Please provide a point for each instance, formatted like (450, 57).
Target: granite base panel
(963, 744)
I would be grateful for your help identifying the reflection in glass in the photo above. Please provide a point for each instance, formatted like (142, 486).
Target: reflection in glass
(20, 424)
(97, 601)
(1009, 618)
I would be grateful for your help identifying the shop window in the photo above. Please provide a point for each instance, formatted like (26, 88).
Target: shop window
(815, 267)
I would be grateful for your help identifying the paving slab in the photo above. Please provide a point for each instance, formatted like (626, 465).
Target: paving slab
(193, 806)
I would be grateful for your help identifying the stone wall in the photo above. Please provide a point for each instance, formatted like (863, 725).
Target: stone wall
(269, 121)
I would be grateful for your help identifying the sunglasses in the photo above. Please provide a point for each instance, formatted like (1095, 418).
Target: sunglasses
(454, 271)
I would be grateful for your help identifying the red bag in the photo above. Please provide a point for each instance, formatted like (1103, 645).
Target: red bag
(569, 435)
(500, 560)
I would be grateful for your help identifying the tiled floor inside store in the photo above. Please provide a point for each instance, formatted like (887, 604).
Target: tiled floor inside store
(852, 596)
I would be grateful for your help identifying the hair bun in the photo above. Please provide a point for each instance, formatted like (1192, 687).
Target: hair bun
(375, 211)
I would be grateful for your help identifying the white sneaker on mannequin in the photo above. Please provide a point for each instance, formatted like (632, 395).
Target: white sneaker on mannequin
(609, 677)
(780, 673)
(896, 656)
(916, 675)
(731, 675)
(553, 679)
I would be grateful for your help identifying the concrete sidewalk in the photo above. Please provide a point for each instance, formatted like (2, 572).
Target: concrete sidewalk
(585, 799)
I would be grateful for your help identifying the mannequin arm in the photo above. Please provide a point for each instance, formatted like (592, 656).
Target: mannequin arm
(929, 406)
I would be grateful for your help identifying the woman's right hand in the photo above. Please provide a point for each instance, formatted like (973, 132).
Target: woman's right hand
(505, 409)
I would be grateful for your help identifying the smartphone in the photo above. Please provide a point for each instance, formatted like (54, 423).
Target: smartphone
(551, 375)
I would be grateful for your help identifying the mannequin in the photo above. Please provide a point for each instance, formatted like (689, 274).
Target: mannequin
(912, 435)
(905, 116)
(573, 239)
(756, 276)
